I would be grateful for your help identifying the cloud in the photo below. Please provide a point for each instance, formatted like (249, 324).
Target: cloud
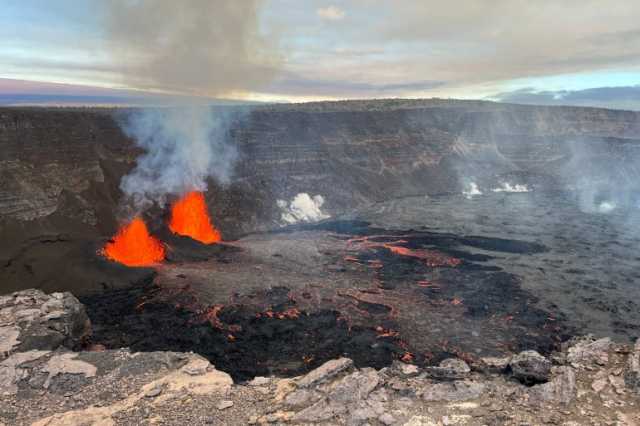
(480, 45)
(490, 40)
(625, 97)
(331, 13)
(22, 92)
(226, 47)
(296, 84)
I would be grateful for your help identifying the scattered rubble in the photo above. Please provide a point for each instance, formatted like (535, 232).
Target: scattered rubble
(589, 382)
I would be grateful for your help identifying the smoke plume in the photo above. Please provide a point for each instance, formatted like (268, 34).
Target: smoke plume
(197, 48)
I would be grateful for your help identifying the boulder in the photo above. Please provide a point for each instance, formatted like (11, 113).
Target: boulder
(33, 320)
(530, 367)
(587, 351)
(493, 365)
(450, 369)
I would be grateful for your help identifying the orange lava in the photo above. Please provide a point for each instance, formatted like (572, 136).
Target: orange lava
(134, 246)
(432, 258)
(189, 217)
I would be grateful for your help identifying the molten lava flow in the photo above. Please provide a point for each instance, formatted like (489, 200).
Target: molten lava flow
(189, 217)
(133, 246)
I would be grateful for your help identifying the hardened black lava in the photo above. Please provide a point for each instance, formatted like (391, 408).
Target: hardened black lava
(249, 346)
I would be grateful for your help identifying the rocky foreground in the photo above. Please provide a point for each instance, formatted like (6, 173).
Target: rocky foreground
(43, 381)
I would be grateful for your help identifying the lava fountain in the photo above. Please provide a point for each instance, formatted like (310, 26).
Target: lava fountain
(134, 246)
(189, 217)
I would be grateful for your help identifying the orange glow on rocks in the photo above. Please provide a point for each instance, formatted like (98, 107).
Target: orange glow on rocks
(190, 218)
(134, 246)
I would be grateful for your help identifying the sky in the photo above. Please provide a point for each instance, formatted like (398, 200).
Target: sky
(584, 52)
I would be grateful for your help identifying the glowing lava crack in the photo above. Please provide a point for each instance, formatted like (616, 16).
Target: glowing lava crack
(189, 217)
(134, 246)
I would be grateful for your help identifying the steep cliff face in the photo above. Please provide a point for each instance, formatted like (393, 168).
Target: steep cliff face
(57, 159)
(60, 168)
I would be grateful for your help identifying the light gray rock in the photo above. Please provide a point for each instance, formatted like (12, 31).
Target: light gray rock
(223, 405)
(325, 372)
(8, 339)
(68, 364)
(197, 366)
(302, 398)
(153, 392)
(387, 419)
(320, 411)
(33, 320)
(494, 365)
(632, 372)
(402, 369)
(459, 390)
(530, 367)
(561, 389)
(450, 369)
(587, 351)
(259, 381)
(11, 371)
(355, 386)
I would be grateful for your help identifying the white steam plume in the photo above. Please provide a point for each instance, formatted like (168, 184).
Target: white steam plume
(184, 146)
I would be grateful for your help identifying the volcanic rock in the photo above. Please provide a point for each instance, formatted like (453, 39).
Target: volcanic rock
(450, 369)
(326, 371)
(387, 419)
(402, 369)
(632, 372)
(560, 389)
(32, 320)
(355, 386)
(223, 405)
(587, 351)
(259, 381)
(67, 363)
(495, 365)
(459, 390)
(530, 367)
(11, 370)
(320, 411)
(302, 398)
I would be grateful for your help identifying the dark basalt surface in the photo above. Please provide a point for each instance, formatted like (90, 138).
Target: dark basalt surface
(360, 298)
